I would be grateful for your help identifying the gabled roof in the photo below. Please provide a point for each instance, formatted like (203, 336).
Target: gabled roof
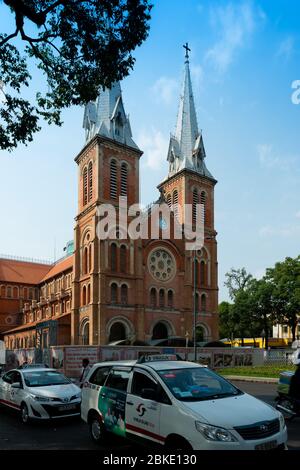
(22, 272)
(60, 267)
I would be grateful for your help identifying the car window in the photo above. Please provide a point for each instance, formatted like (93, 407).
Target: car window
(141, 381)
(45, 378)
(99, 376)
(118, 379)
(16, 378)
(8, 377)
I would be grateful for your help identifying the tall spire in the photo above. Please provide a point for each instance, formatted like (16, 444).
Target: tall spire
(106, 117)
(186, 149)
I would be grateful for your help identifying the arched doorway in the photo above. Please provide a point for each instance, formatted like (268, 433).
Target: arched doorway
(200, 333)
(117, 332)
(85, 333)
(160, 331)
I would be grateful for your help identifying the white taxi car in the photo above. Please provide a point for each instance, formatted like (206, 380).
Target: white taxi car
(40, 393)
(178, 404)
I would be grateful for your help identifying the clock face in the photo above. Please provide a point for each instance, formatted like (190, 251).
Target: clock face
(161, 264)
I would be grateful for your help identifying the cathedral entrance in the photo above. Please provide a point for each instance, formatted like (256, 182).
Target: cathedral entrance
(160, 331)
(117, 332)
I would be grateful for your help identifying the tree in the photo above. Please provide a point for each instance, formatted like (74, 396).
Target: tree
(78, 45)
(263, 303)
(237, 280)
(226, 326)
(285, 279)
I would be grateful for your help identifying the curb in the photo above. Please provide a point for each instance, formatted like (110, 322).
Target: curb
(240, 378)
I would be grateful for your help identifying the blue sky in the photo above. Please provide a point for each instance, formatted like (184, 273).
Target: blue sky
(245, 56)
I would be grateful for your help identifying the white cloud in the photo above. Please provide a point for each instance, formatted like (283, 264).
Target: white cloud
(235, 24)
(155, 147)
(270, 160)
(286, 47)
(165, 89)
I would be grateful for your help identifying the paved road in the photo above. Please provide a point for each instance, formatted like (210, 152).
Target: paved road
(74, 434)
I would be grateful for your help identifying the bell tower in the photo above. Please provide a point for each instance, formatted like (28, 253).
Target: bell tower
(190, 182)
(108, 168)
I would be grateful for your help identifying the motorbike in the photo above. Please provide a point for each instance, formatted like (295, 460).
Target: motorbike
(286, 404)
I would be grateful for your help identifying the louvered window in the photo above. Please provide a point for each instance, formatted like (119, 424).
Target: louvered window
(90, 181)
(113, 179)
(195, 202)
(85, 186)
(169, 200)
(175, 203)
(203, 201)
(124, 173)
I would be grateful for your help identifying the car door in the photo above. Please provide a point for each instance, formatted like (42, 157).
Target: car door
(112, 400)
(142, 411)
(91, 389)
(5, 397)
(16, 394)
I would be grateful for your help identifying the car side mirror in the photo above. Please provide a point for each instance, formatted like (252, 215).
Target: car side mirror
(148, 393)
(16, 385)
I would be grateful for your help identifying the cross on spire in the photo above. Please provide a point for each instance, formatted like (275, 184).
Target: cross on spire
(187, 50)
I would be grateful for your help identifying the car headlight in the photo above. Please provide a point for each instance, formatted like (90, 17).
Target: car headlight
(214, 433)
(40, 398)
(282, 421)
(78, 395)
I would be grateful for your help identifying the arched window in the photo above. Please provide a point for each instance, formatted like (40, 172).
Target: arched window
(113, 179)
(89, 294)
(203, 212)
(84, 295)
(170, 299)
(90, 181)
(169, 200)
(3, 291)
(85, 261)
(124, 173)
(90, 258)
(203, 303)
(124, 294)
(25, 293)
(195, 202)
(15, 292)
(175, 202)
(123, 259)
(85, 186)
(197, 306)
(161, 298)
(8, 292)
(113, 257)
(114, 293)
(196, 272)
(153, 297)
(202, 273)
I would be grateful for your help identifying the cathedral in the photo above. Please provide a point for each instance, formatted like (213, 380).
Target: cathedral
(121, 288)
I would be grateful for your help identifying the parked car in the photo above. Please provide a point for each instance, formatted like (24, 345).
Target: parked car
(182, 405)
(39, 393)
(33, 366)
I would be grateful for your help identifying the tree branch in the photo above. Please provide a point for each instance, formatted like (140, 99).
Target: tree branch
(13, 35)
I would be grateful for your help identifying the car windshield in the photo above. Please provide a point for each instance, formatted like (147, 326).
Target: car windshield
(197, 384)
(44, 378)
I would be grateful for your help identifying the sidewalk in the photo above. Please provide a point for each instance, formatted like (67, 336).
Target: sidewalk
(242, 378)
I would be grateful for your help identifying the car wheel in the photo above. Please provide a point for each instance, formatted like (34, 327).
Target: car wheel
(178, 444)
(24, 414)
(97, 429)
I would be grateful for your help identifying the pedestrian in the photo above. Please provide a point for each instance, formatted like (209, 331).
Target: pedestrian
(84, 371)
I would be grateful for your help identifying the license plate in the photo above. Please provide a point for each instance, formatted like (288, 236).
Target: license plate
(66, 407)
(266, 445)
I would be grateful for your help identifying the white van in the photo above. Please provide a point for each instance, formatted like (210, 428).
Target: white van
(181, 405)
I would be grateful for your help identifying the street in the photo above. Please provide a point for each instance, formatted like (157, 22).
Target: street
(73, 434)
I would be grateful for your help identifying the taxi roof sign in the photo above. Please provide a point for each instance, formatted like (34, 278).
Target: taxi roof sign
(159, 357)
